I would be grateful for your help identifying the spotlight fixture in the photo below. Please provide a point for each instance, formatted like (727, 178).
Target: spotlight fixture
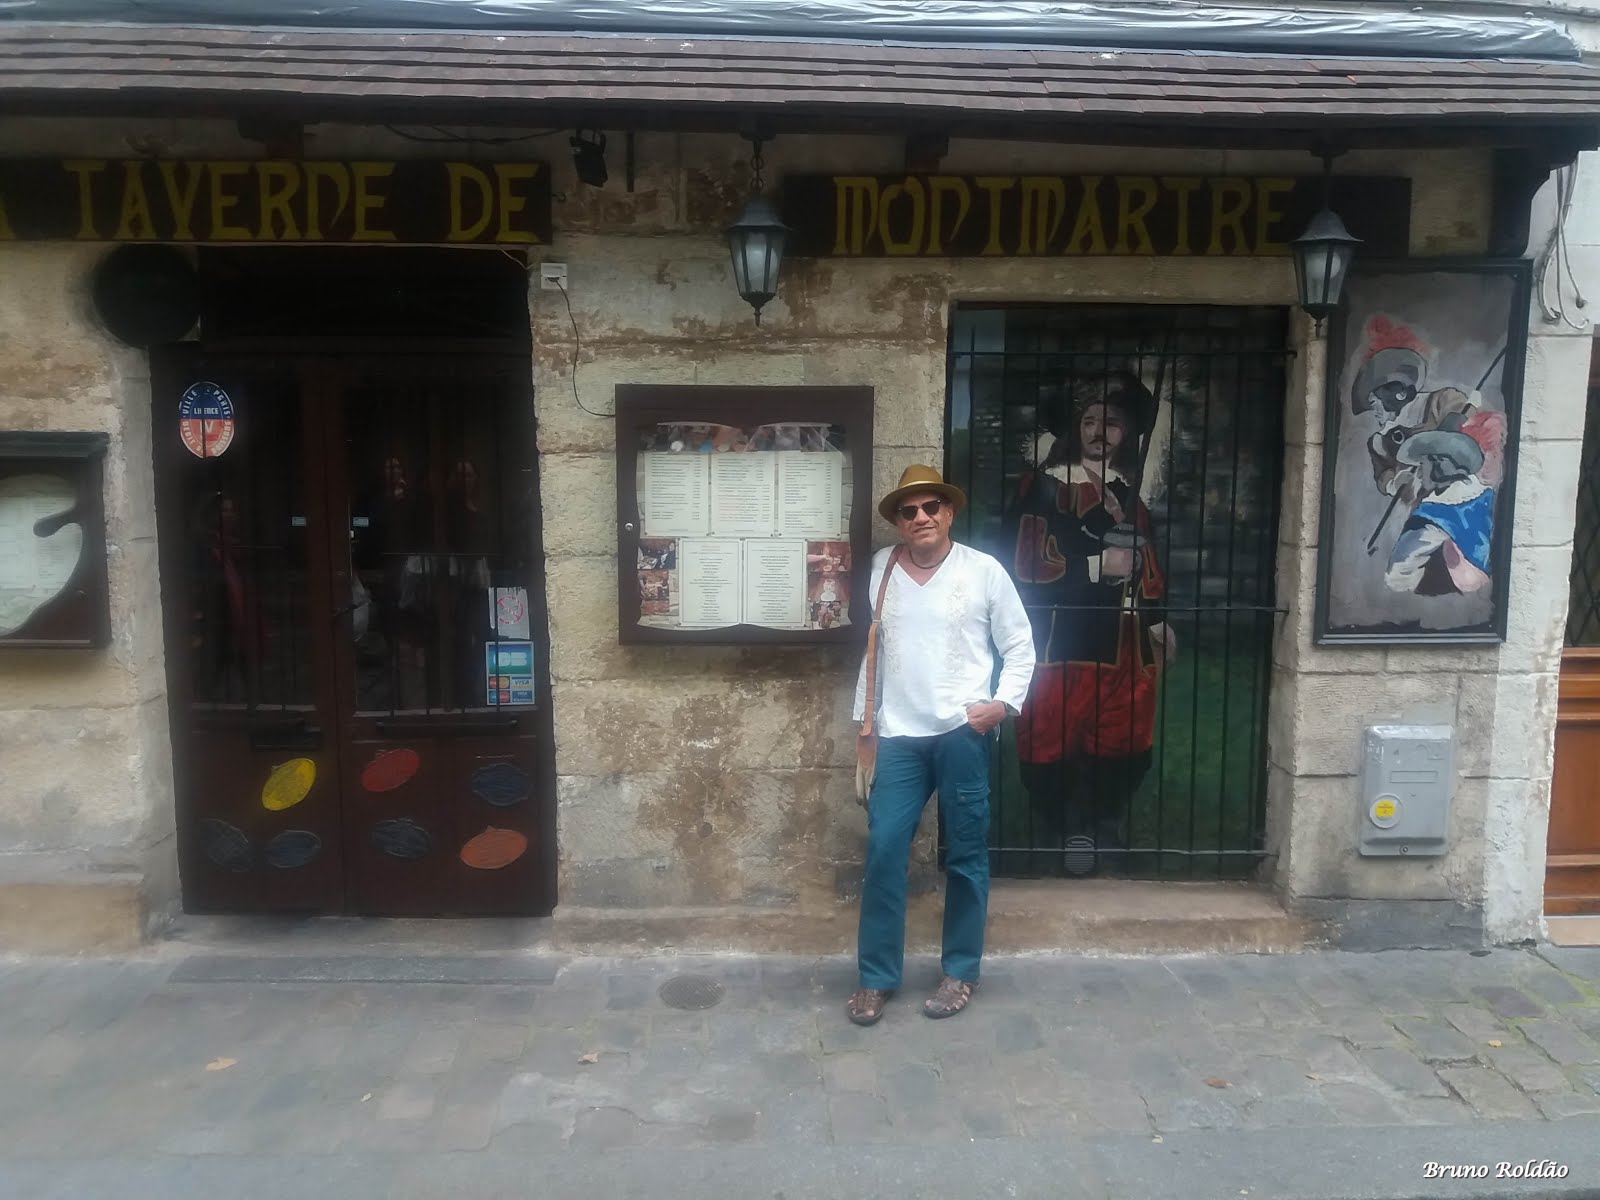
(589, 156)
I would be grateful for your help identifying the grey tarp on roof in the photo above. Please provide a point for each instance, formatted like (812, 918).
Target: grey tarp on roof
(1368, 31)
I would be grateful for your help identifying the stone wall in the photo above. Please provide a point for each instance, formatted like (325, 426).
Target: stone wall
(87, 796)
(670, 761)
(719, 778)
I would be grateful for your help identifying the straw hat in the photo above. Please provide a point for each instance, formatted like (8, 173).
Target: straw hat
(918, 478)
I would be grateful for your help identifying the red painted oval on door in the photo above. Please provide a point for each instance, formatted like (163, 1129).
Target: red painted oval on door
(494, 848)
(390, 770)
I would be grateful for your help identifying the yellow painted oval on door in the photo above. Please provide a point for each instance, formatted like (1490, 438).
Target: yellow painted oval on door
(288, 784)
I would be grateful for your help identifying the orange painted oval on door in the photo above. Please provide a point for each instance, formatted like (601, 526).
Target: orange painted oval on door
(494, 848)
(389, 770)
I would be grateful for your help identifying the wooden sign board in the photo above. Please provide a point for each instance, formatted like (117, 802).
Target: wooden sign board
(1046, 216)
(417, 202)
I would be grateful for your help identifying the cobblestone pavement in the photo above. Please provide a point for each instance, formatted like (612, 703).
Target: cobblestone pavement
(165, 1059)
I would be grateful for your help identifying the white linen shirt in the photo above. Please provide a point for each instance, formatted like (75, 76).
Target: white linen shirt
(937, 645)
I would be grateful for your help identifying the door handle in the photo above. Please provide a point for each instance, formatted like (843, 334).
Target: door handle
(291, 735)
(445, 727)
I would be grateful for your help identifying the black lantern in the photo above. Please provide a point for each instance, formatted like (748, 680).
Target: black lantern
(589, 156)
(1322, 256)
(756, 240)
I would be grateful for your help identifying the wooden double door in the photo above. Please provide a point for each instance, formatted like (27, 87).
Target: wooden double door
(1572, 867)
(355, 632)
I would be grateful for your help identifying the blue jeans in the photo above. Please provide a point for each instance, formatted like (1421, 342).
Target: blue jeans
(909, 769)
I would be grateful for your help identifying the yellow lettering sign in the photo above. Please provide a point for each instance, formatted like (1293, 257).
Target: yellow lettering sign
(134, 223)
(1088, 233)
(367, 200)
(995, 185)
(1268, 191)
(510, 203)
(461, 175)
(1182, 186)
(856, 212)
(913, 191)
(1044, 207)
(279, 184)
(338, 175)
(940, 186)
(180, 200)
(221, 175)
(1131, 213)
(1229, 200)
(85, 169)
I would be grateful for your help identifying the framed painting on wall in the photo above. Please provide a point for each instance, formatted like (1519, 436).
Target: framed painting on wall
(1425, 366)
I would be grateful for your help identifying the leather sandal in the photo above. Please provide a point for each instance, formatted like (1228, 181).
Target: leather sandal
(865, 1005)
(949, 998)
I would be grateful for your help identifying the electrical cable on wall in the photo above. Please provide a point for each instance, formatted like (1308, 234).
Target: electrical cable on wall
(577, 338)
(577, 353)
(1556, 251)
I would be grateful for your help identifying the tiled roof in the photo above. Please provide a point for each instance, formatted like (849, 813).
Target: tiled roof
(668, 80)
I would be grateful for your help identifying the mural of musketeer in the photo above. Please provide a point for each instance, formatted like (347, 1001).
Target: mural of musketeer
(1081, 549)
(1439, 454)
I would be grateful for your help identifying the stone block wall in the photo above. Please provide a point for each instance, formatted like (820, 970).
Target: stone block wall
(720, 777)
(664, 768)
(84, 756)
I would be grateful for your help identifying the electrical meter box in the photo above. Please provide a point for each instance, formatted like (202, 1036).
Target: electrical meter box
(1407, 772)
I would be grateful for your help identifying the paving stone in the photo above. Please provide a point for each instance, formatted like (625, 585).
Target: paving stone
(1282, 1011)
(792, 1116)
(1017, 1033)
(908, 1084)
(1560, 1105)
(433, 1052)
(1561, 1042)
(989, 1115)
(630, 990)
(1171, 1113)
(607, 1129)
(1582, 961)
(1436, 1042)
(1404, 1071)
(1528, 1069)
(409, 1100)
(1476, 1023)
(1490, 1094)
(1435, 1110)
(1362, 1028)
(1592, 1078)
(1357, 1104)
(1550, 985)
(1510, 1002)
(856, 1072)
(1586, 1019)
(857, 1118)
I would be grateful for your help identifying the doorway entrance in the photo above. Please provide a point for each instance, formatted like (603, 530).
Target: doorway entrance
(355, 632)
(1572, 863)
(1124, 463)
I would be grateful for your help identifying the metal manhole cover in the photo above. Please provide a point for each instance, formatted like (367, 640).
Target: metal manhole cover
(690, 991)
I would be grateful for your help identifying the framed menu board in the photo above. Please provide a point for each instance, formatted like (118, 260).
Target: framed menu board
(52, 540)
(743, 513)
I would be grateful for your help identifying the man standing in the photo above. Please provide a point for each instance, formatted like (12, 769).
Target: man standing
(946, 609)
(1080, 540)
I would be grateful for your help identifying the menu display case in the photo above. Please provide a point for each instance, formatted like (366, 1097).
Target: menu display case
(743, 513)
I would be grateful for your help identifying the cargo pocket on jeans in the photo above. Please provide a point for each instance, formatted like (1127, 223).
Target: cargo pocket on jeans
(970, 819)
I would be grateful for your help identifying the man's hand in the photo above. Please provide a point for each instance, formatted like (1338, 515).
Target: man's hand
(985, 715)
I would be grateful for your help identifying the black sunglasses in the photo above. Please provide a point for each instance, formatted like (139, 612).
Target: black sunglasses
(908, 512)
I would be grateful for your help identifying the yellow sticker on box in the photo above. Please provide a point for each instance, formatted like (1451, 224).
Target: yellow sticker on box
(1384, 809)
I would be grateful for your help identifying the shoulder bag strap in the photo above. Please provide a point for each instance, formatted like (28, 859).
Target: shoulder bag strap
(872, 643)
